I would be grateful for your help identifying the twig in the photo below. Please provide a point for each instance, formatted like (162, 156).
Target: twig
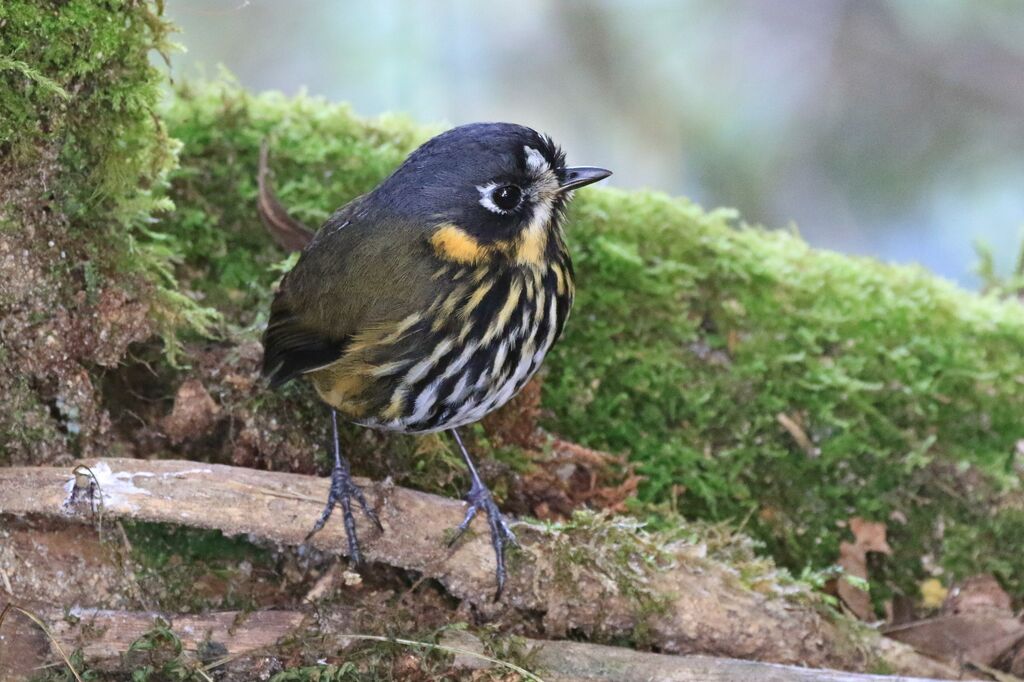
(42, 626)
(289, 233)
(7, 581)
(798, 434)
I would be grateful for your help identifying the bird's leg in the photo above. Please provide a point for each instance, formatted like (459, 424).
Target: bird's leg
(479, 497)
(343, 490)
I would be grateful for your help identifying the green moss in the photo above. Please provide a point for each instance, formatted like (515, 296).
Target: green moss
(618, 549)
(76, 81)
(24, 420)
(82, 148)
(182, 569)
(994, 282)
(697, 333)
(216, 228)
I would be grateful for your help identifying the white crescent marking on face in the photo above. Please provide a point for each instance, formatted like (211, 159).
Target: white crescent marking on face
(535, 161)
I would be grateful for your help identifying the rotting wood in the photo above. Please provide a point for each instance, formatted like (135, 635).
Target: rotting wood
(704, 608)
(245, 638)
(104, 636)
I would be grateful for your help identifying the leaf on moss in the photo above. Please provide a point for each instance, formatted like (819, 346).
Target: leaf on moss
(868, 536)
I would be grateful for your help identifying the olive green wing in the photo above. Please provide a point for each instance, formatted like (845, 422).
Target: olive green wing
(359, 272)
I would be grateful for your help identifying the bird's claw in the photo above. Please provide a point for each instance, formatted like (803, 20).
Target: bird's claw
(343, 489)
(480, 498)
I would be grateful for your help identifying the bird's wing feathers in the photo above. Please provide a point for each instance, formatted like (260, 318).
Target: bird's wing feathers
(358, 273)
(291, 347)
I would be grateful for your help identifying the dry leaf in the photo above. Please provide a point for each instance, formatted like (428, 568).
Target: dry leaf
(193, 415)
(961, 638)
(570, 476)
(976, 626)
(978, 594)
(868, 536)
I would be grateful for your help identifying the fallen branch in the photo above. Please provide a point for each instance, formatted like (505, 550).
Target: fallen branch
(686, 605)
(243, 639)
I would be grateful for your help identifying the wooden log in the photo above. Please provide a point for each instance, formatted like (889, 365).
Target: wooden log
(104, 636)
(245, 638)
(689, 605)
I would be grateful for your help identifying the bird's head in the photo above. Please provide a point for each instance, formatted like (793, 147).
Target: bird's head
(488, 184)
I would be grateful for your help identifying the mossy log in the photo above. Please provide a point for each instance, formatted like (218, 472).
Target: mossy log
(610, 589)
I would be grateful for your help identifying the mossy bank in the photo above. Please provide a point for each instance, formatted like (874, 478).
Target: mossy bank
(83, 162)
(749, 377)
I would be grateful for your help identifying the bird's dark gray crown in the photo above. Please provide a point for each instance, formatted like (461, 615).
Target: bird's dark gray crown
(480, 149)
(441, 180)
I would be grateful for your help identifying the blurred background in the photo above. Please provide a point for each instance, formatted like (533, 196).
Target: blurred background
(892, 129)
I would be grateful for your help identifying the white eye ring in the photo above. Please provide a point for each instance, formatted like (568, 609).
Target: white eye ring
(487, 198)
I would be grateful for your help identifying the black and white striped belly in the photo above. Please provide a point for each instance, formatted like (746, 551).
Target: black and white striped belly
(471, 363)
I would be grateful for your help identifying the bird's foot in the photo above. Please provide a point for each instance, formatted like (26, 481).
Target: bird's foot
(479, 498)
(343, 489)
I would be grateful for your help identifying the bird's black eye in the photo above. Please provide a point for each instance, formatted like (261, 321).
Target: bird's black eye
(507, 197)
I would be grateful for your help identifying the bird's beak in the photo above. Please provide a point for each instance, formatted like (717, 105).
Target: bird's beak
(574, 178)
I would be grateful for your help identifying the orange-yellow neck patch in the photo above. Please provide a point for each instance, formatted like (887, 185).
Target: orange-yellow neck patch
(530, 247)
(455, 244)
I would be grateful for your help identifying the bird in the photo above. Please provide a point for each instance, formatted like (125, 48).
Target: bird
(430, 301)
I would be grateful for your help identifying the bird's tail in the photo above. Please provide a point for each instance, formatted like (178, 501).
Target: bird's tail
(289, 233)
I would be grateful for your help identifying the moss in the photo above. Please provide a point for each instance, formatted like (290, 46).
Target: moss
(25, 419)
(692, 332)
(630, 555)
(619, 550)
(699, 332)
(215, 227)
(83, 163)
(77, 82)
(188, 570)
